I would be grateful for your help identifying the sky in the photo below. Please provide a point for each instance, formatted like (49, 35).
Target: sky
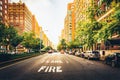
(50, 15)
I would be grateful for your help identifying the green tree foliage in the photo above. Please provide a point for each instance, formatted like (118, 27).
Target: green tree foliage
(31, 43)
(73, 44)
(36, 44)
(110, 28)
(108, 2)
(86, 32)
(2, 30)
(62, 45)
(16, 41)
(9, 34)
(48, 48)
(117, 15)
(28, 40)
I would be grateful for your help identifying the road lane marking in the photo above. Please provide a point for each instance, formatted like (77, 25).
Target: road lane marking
(42, 68)
(53, 69)
(46, 69)
(58, 61)
(58, 69)
(52, 61)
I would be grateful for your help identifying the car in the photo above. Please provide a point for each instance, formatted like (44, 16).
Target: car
(113, 59)
(70, 52)
(92, 55)
(82, 54)
(50, 51)
(77, 53)
(62, 52)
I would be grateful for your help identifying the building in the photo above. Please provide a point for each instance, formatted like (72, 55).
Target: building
(35, 27)
(68, 33)
(105, 16)
(20, 17)
(81, 8)
(62, 35)
(4, 11)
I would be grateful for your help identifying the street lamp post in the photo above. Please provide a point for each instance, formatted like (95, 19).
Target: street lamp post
(40, 40)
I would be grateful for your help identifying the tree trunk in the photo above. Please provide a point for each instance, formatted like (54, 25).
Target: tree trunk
(7, 48)
(15, 50)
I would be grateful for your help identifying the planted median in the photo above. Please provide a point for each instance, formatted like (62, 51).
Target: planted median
(7, 57)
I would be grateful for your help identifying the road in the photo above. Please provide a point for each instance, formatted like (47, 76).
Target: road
(58, 66)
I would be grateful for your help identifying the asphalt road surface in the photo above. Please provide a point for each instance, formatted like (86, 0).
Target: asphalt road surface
(58, 66)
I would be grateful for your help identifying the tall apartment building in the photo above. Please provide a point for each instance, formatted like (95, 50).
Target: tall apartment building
(35, 27)
(62, 36)
(20, 17)
(46, 41)
(4, 11)
(68, 32)
(81, 7)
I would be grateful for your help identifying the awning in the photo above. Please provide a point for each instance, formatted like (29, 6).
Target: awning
(112, 42)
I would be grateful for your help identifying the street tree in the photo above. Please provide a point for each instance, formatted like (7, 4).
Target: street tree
(73, 44)
(28, 40)
(31, 43)
(110, 28)
(62, 45)
(9, 35)
(36, 44)
(16, 41)
(2, 30)
(48, 48)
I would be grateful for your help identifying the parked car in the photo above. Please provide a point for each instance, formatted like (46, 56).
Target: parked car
(70, 52)
(77, 53)
(113, 59)
(92, 55)
(82, 54)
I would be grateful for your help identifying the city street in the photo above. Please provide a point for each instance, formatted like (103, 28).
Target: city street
(58, 66)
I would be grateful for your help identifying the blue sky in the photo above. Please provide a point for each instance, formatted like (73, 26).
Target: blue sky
(50, 15)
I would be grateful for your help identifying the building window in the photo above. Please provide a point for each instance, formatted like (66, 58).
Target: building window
(17, 17)
(5, 6)
(0, 7)
(11, 20)
(21, 17)
(11, 17)
(5, 17)
(5, 11)
(5, 1)
(0, 13)
(0, 2)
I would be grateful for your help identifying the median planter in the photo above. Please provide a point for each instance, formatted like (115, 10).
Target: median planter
(6, 59)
